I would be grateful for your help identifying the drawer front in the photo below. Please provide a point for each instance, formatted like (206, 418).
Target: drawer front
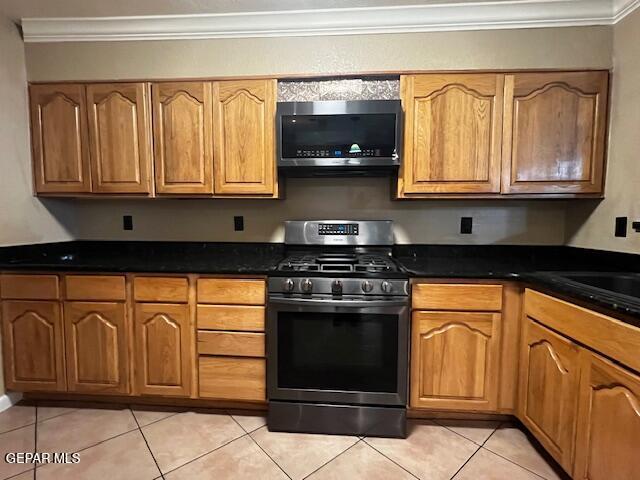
(29, 287)
(233, 378)
(95, 287)
(241, 344)
(231, 317)
(442, 296)
(231, 291)
(161, 289)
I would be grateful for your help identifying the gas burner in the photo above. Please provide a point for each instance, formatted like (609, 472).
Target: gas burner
(338, 263)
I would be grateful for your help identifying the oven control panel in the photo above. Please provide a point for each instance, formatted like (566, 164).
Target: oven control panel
(338, 229)
(338, 286)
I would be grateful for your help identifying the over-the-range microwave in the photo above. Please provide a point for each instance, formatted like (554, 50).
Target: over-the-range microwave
(339, 138)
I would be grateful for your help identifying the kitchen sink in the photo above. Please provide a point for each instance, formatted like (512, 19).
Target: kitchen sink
(620, 283)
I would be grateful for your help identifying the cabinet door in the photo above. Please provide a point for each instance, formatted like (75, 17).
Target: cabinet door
(183, 139)
(453, 130)
(164, 356)
(33, 346)
(554, 132)
(454, 360)
(120, 137)
(59, 138)
(244, 124)
(608, 439)
(97, 351)
(549, 376)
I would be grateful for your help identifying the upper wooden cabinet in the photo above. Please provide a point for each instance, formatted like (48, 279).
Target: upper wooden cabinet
(608, 435)
(549, 379)
(554, 133)
(59, 138)
(183, 137)
(244, 129)
(120, 137)
(453, 130)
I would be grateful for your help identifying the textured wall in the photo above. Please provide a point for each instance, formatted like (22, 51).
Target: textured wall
(591, 225)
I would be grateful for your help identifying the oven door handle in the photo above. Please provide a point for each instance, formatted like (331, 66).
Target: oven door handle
(341, 303)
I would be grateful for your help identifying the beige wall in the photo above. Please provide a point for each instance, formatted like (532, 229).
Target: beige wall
(591, 225)
(423, 222)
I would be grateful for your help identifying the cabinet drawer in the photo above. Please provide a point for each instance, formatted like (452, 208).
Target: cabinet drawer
(232, 378)
(231, 291)
(30, 287)
(231, 317)
(241, 344)
(95, 287)
(161, 289)
(442, 296)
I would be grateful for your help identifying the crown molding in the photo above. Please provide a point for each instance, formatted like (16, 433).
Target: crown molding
(443, 16)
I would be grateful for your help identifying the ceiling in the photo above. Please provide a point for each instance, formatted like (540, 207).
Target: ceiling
(17, 9)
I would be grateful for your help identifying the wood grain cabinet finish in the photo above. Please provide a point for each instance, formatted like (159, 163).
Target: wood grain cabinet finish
(183, 137)
(454, 360)
(554, 133)
(120, 137)
(33, 346)
(244, 129)
(96, 338)
(163, 353)
(233, 378)
(549, 380)
(608, 436)
(453, 133)
(59, 137)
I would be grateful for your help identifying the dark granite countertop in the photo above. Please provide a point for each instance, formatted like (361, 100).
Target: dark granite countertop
(539, 266)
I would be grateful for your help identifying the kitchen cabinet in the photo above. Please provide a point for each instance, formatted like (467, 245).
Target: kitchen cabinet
(33, 345)
(608, 436)
(60, 143)
(554, 133)
(183, 137)
(163, 350)
(120, 137)
(453, 133)
(96, 337)
(455, 346)
(549, 379)
(244, 130)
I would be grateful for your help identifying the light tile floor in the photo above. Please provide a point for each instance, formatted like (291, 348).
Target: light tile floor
(133, 442)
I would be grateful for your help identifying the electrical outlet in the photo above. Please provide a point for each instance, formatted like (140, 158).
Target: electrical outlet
(621, 227)
(636, 226)
(238, 223)
(466, 225)
(127, 222)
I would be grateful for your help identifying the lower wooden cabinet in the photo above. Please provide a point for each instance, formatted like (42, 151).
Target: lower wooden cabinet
(163, 352)
(608, 437)
(97, 347)
(233, 378)
(454, 360)
(549, 378)
(33, 345)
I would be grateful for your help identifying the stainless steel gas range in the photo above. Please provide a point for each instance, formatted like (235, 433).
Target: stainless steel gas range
(338, 331)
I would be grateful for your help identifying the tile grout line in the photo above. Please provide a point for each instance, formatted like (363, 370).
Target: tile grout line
(331, 460)
(468, 439)
(477, 450)
(260, 447)
(146, 443)
(467, 461)
(390, 459)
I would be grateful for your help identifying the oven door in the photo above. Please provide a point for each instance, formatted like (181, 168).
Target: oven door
(338, 351)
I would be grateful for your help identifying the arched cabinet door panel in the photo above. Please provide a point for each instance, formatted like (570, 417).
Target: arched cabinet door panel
(608, 422)
(453, 133)
(554, 132)
(244, 130)
(183, 137)
(97, 347)
(59, 136)
(549, 376)
(120, 137)
(33, 346)
(454, 360)
(163, 349)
